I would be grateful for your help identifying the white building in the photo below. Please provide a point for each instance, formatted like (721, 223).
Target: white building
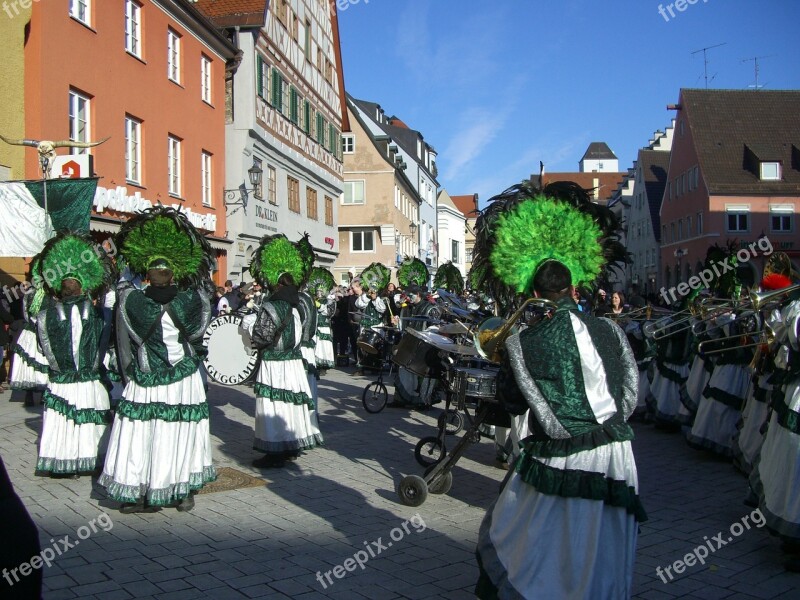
(452, 225)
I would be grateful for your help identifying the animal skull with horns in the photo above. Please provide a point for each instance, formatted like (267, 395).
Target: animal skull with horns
(47, 150)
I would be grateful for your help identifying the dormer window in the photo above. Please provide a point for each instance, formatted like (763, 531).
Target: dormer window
(770, 171)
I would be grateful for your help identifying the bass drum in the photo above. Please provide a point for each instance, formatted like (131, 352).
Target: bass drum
(230, 359)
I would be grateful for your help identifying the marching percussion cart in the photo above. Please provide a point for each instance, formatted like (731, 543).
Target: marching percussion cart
(463, 385)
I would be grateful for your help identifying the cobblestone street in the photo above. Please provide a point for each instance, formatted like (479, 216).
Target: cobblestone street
(271, 540)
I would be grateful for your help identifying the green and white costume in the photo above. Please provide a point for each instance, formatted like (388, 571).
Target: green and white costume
(285, 412)
(565, 524)
(28, 365)
(160, 447)
(324, 348)
(76, 411)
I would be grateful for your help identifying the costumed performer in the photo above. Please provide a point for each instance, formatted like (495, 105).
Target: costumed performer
(372, 279)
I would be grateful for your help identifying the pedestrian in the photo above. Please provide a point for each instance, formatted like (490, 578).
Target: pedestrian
(70, 327)
(160, 449)
(565, 523)
(284, 405)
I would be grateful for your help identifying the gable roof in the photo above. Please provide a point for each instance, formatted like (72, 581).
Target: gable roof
(466, 205)
(598, 151)
(233, 13)
(654, 165)
(734, 130)
(405, 137)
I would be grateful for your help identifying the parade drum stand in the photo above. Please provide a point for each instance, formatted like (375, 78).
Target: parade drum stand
(231, 359)
(438, 477)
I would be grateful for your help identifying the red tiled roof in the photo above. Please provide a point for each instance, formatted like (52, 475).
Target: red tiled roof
(606, 182)
(228, 13)
(466, 205)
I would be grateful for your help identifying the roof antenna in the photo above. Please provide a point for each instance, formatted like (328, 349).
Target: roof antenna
(705, 60)
(755, 60)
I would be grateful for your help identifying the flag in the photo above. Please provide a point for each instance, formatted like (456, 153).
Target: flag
(25, 227)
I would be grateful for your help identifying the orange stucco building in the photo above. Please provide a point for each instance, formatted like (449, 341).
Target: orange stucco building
(150, 76)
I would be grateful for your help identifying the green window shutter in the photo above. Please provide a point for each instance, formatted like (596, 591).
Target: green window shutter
(276, 89)
(260, 75)
(320, 128)
(307, 110)
(293, 112)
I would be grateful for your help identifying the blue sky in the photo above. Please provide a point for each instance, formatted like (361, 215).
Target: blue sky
(498, 85)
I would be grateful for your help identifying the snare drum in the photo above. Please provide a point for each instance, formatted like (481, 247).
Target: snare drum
(370, 341)
(474, 383)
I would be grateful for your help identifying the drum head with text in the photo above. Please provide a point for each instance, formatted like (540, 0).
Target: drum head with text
(230, 360)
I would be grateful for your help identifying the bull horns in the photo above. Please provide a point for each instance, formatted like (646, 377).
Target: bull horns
(15, 142)
(71, 144)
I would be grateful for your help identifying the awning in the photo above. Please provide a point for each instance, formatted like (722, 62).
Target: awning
(104, 226)
(219, 243)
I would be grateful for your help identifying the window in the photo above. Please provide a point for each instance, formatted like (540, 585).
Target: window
(396, 197)
(672, 232)
(282, 12)
(307, 40)
(258, 191)
(276, 97)
(205, 175)
(737, 221)
(173, 56)
(174, 165)
(362, 240)
(262, 77)
(468, 255)
(781, 217)
(454, 251)
(205, 79)
(328, 210)
(688, 226)
(770, 171)
(348, 144)
(79, 120)
(294, 113)
(272, 186)
(80, 10)
(294, 194)
(133, 25)
(322, 127)
(699, 223)
(680, 229)
(307, 117)
(353, 192)
(311, 204)
(133, 149)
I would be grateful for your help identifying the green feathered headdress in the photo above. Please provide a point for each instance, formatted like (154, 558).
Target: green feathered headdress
(560, 236)
(413, 272)
(73, 256)
(376, 276)
(320, 282)
(308, 257)
(275, 256)
(540, 229)
(449, 278)
(163, 235)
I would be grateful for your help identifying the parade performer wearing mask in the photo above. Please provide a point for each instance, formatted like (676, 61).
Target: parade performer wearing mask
(70, 326)
(321, 284)
(372, 279)
(575, 482)
(285, 421)
(160, 448)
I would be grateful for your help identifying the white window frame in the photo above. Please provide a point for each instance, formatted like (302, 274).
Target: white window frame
(353, 185)
(81, 10)
(455, 254)
(776, 165)
(739, 211)
(206, 175)
(174, 165)
(133, 28)
(361, 233)
(205, 78)
(173, 56)
(79, 119)
(133, 150)
(782, 211)
(348, 143)
(272, 185)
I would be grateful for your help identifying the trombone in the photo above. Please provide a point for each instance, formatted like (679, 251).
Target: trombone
(491, 334)
(765, 336)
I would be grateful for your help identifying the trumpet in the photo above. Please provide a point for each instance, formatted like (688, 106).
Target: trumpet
(759, 299)
(765, 336)
(492, 333)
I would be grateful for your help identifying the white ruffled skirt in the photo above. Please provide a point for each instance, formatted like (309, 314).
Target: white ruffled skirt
(162, 450)
(665, 394)
(286, 420)
(715, 422)
(28, 364)
(747, 441)
(324, 348)
(74, 427)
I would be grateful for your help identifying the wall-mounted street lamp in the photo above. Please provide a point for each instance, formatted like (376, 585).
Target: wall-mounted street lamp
(399, 236)
(254, 173)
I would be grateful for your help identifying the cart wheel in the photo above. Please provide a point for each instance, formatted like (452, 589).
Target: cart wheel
(413, 490)
(452, 421)
(441, 485)
(374, 397)
(428, 451)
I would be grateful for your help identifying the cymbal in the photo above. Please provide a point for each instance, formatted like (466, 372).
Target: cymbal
(453, 329)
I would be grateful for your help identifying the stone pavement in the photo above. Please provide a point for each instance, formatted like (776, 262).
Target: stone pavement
(337, 501)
